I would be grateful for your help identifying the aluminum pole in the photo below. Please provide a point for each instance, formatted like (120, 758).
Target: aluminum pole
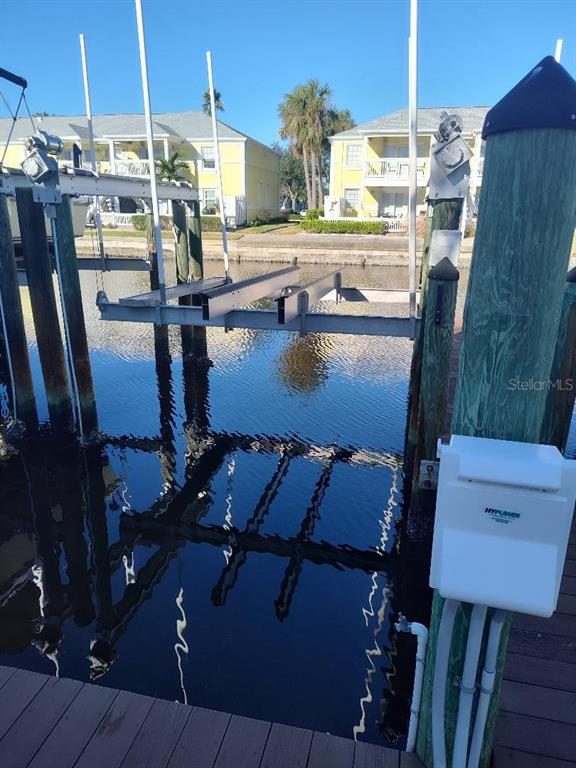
(413, 141)
(97, 219)
(558, 51)
(217, 158)
(150, 142)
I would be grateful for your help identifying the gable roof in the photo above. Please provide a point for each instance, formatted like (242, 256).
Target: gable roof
(175, 125)
(428, 122)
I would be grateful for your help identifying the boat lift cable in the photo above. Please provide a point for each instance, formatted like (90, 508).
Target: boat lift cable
(70, 359)
(14, 116)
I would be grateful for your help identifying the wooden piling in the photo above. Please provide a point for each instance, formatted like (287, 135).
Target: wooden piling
(15, 342)
(521, 251)
(445, 215)
(72, 305)
(43, 301)
(562, 385)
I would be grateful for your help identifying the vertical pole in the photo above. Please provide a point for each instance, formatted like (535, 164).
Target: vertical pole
(558, 49)
(413, 133)
(515, 293)
(97, 218)
(23, 401)
(72, 306)
(43, 301)
(195, 241)
(150, 143)
(218, 164)
(562, 386)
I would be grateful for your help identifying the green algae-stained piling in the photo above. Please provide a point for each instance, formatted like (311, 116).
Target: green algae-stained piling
(72, 305)
(436, 351)
(44, 311)
(445, 215)
(517, 281)
(15, 341)
(195, 241)
(562, 387)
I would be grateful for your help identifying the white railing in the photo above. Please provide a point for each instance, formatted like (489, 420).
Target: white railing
(480, 166)
(131, 168)
(397, 226)
(114, 219)
(393, 168)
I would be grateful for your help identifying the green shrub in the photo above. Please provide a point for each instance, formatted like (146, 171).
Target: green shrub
(139, 222)
(314, 213)
(351, 212)
(259, 221)
(210, 224)
(344, 227)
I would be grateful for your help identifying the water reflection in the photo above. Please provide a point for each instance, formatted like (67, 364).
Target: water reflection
(112, 554)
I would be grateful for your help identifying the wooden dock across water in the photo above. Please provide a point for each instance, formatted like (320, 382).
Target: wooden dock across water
(49, 722)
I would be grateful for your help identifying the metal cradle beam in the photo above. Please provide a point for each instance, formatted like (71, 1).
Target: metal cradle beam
(220, 301)
(262, 319)
(301, 297)
(152, 298)
(79, 182)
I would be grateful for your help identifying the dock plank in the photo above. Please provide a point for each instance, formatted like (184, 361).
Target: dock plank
(76, 726)
(514, 758)
(547, 673)
(243, 744)
(287, 747)
(17, 693)
(410, 760)
(542, 646)
(375, 756)
(5, 674)
(202, 735)
(538, 701)
(330, 752)
(538, 736)
(567, 604)
(116, 732)
(557, 624)
(36, 722)
(568, 585)
(158, 736)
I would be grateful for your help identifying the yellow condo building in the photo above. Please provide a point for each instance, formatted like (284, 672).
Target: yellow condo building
(250, 170)
(369, 167)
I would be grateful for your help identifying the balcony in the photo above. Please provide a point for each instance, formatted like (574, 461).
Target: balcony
(394, 171)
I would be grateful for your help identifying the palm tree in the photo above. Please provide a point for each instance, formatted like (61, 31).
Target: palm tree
(294, 128)
(171, 169)
(207, 106)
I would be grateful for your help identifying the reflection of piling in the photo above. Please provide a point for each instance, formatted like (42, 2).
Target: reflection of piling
(18, 366)
(195, 363)
(72, 305)
(43, 301)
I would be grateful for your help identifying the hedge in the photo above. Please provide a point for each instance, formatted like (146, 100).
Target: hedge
(314, 213)
(139, 222)
(339, 227)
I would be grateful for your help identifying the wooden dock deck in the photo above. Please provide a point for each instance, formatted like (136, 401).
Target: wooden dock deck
(49, 722)
(536, 726)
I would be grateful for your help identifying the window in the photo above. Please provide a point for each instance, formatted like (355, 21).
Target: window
(352, 198)
(208, 158)
(354, 155)
(209, 198)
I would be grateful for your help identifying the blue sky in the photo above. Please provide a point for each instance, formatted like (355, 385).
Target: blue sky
(471, 52)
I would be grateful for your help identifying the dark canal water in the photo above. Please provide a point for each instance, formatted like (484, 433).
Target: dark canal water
(217, 547)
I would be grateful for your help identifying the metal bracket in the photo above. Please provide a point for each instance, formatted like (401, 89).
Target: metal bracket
(428, 475)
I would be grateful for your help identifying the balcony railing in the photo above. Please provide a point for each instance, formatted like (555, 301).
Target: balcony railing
(394, 168)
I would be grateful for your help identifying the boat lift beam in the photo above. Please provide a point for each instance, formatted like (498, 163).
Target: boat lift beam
(259, 319)
(80, 182)
(301, 297)
(152, 298)
(221, 301)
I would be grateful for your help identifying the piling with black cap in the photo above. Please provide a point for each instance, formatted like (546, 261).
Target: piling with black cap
(521, 252)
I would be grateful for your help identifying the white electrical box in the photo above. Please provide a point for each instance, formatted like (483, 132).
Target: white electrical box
(503, 517)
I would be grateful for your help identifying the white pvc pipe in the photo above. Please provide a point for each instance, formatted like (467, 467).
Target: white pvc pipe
(97, 218)
(421, 633)
(217, 159)
(440, 680)
(558, 51)
(468, 685)
(486, 687)
(150, 143)
(413, 147)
